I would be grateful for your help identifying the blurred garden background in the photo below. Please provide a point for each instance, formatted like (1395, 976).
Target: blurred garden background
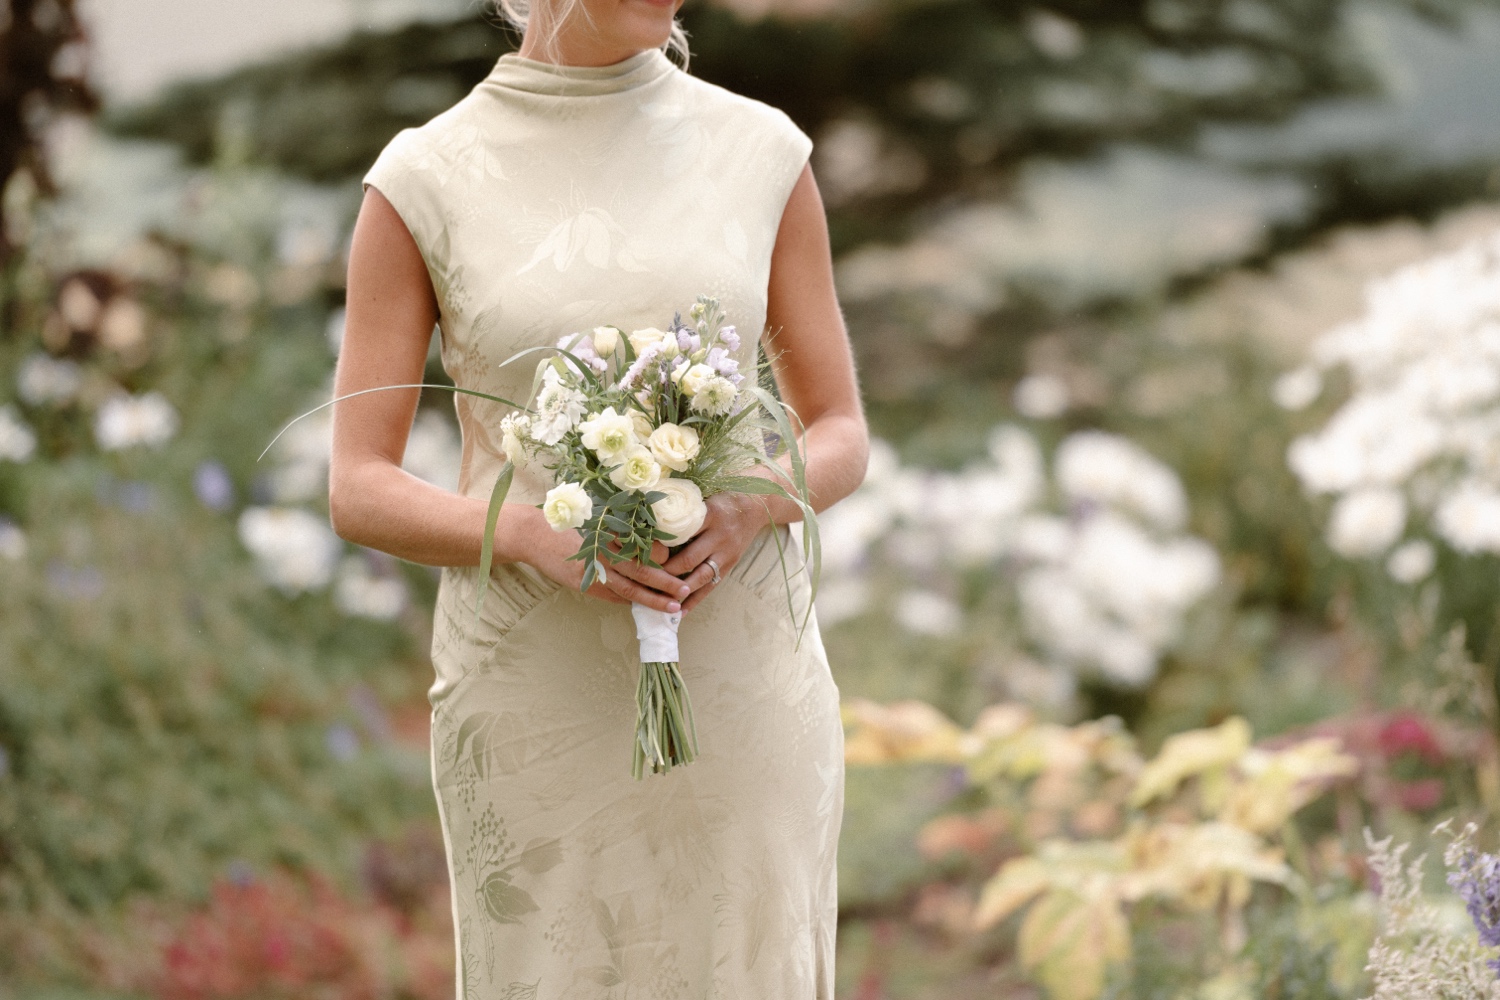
(1175, 572)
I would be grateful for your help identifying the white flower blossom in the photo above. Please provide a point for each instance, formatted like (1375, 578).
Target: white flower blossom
(1412, 562)
(17, 439)
(362, 594)
(130, 421)
(1421, 427)
(1366, 522)
(559, 408)
(1114, 471)
(45, 379)
(567, 506)
(294, 549)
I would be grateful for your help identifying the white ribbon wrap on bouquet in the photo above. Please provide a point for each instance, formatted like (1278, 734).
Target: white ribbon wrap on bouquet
(657, 632)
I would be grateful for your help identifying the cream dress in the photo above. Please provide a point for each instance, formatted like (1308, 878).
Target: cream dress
(550, 200)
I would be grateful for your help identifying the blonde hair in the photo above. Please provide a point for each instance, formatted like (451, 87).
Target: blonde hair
(518, 12)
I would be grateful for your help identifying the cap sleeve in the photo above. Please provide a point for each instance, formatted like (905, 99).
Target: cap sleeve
(402, 174)
(790, 147)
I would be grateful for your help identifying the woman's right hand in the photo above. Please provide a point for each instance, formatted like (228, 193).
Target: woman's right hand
(532, 541)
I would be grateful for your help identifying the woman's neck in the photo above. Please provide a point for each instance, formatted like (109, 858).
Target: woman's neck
(575, 48)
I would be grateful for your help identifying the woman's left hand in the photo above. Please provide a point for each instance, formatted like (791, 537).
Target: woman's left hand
(732, 522)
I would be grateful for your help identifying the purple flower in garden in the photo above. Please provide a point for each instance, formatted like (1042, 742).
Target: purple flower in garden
(1477, 882)
(343, 742)
(213, 486)
(687, 340)
(730, 338)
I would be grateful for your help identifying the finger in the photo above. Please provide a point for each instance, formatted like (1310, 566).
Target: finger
(692, 557)
(660, 553)
(700, 577)
(636, 594)
(656, 579)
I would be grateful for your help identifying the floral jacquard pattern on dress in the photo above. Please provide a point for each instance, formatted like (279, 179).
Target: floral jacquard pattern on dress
(555, 199)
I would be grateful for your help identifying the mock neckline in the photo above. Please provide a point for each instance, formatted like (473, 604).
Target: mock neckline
(515, 72)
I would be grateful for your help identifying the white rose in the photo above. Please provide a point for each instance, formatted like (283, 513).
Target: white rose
(681, 512)
(567, 506)
(649, 337)
(715, 397)
(609, 435)
(693, 378)
(639, 471)
(673, 446)
(606, 340)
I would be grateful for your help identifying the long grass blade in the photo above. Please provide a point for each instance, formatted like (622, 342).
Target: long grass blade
(487, 546)
(384, 388)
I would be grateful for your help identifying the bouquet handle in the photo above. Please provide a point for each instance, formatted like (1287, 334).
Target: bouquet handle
(664, 731)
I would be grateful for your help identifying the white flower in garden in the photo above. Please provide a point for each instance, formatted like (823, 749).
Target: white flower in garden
(130, 421)
(360, 593)
(304, 452)
(433, 451)
(294, 549)
(1040, 397)
(923, 612)
(715, 397)
(559, 408)
(17, 440)
(45, 379)
(606, 340)
(568, 505)
(1115, 471)
(609, 435)
(12, 540)
(515, 431)
(1042, 538)
(1412, 562)
(1366, 522)
(641, 340)
(682, 511)
(1422, 421)
(841, 599)
(1469, 518)
(637, 471)
(1297, 389)
(674, 446)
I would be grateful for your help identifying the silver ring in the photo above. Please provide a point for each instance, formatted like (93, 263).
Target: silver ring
(715, 567)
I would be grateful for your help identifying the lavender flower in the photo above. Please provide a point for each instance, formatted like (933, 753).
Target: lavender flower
(730, 338)
(1476, 879)
(720, 361)
(687, 340)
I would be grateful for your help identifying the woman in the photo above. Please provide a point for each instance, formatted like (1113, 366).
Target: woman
(588, 181)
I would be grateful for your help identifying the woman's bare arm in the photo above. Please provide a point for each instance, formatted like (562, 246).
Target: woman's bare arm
(814, 369)
(372, 500)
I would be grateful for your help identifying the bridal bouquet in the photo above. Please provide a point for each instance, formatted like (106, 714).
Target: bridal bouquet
(637, 430)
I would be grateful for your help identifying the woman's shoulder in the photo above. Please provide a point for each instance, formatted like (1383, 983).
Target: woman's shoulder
(726, 108)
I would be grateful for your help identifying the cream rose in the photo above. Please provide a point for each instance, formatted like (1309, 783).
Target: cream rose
(567, 506)
(609, 435)
(673, 446)
(694, 378)
(606, 340)
(681, 512)
(649, 337)
(639, 471)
